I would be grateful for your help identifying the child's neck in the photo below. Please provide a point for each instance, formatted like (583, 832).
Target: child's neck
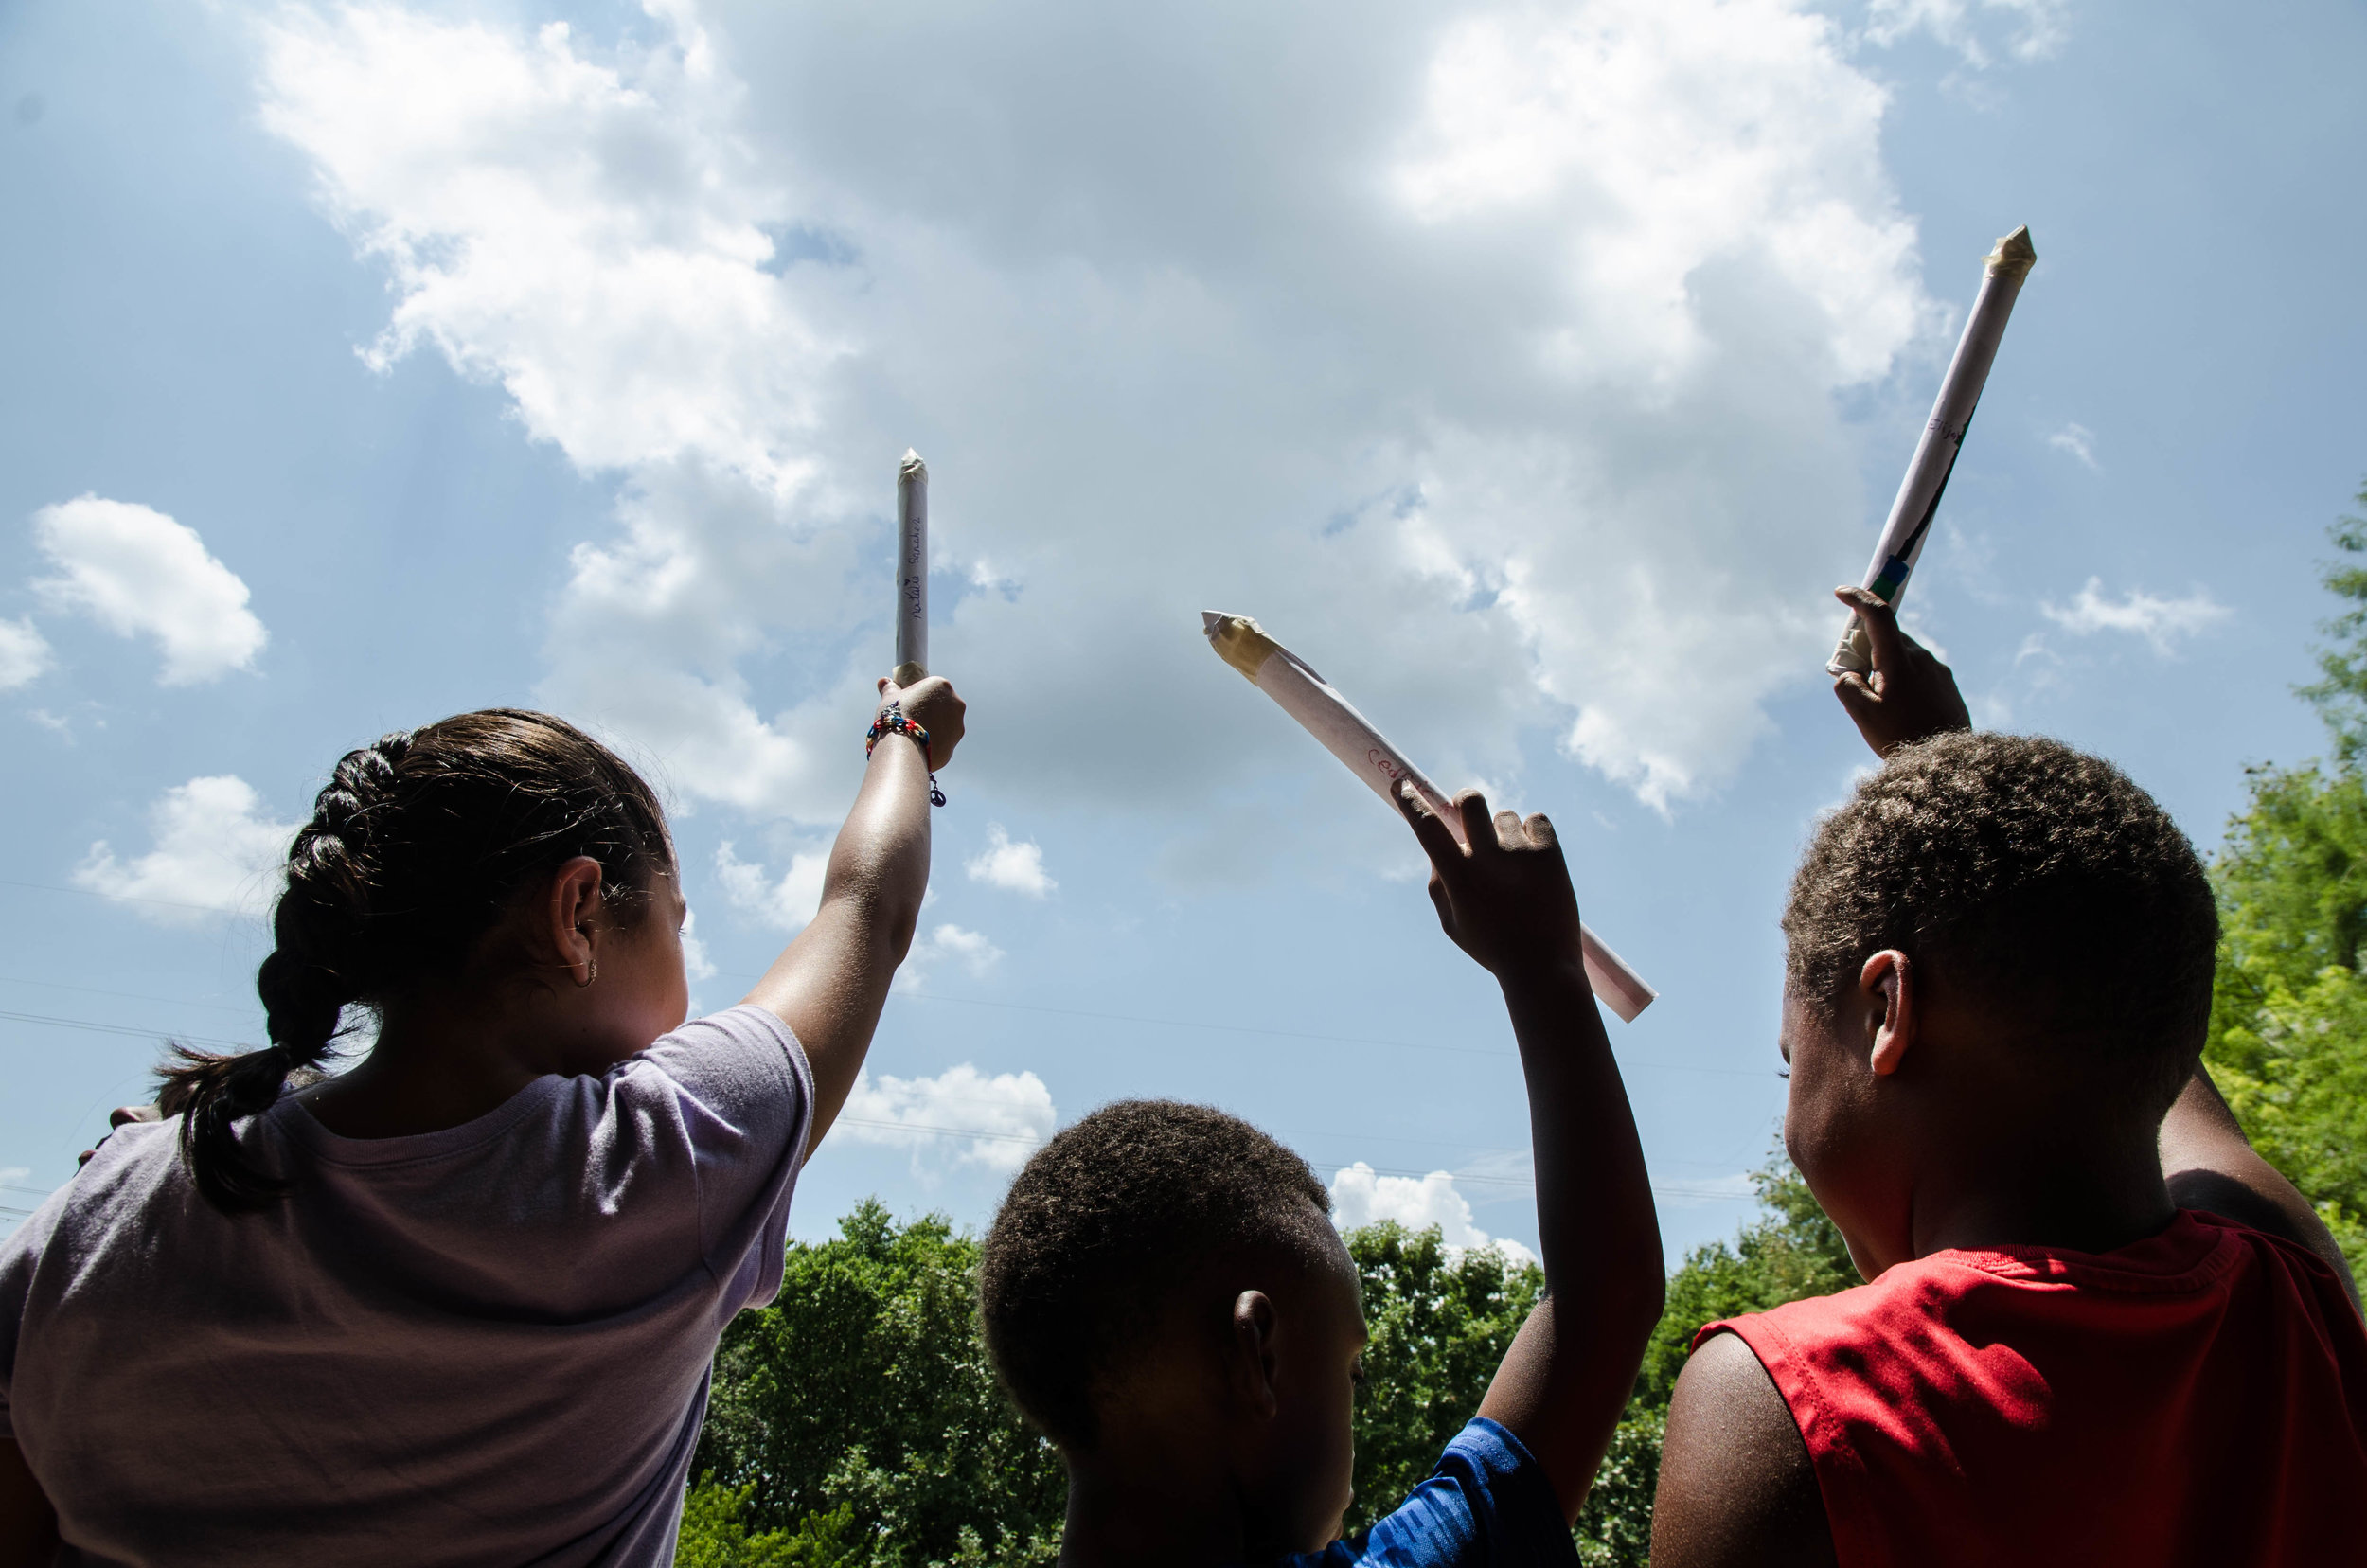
(2067, 1188)
(439, 1062)
(1158, 1511)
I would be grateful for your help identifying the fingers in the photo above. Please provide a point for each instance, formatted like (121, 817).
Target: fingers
(1883, 639)
(1439, 902)
(1479, 824)
(1510, 832)
(1865, 707)
(1435, 837)
(1541, 833)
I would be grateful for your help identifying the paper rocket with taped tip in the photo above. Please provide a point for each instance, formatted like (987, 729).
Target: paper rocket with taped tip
(1350, 736)
(911, 570)
(1918, 500)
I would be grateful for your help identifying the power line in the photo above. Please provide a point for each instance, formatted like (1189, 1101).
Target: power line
(93, 1027)
(1671, 1189)
(1221, 1028)
(122, 898)
(1302, 1034)
(926, 996)
(942, 996)
(127, 997)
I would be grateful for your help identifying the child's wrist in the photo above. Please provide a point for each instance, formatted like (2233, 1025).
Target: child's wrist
(891, 720)
(1544, 973)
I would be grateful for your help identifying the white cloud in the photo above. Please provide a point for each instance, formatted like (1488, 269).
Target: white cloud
(2162, 622)
(592, 237)
(788, 903)
(1017, 867)
(216, 852)
(1504, 384)
(1361, 1196)
(2033, 30)
(23, 654)
(950, 943)
(136, 571)
(996, 1122)
(2078, 440)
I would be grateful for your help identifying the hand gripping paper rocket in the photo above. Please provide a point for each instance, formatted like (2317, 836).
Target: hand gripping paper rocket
(1346, 733)
(1919, 493)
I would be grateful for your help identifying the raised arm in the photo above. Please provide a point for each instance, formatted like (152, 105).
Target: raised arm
(1507, 902)
(830, 982)
(2209, 1163)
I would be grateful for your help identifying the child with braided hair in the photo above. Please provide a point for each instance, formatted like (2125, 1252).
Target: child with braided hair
(457, 1304)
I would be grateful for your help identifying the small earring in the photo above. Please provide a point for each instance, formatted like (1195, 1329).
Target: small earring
(594, 973)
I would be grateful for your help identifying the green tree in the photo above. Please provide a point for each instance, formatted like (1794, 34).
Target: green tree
(2288, 1027)
(1440, 1320)
(855, 1423)
(864, 1395)
(2340, 693)
(1790, 1251)
(714, 1534)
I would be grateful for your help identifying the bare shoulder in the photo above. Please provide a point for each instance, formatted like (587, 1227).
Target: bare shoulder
(1735, 1484)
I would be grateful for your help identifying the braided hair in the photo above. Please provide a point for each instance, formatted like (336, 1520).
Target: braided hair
(419, 844)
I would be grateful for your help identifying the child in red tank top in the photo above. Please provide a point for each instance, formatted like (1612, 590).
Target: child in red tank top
(2100, 1329)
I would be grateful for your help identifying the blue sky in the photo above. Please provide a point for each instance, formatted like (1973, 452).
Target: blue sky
(1531, 369)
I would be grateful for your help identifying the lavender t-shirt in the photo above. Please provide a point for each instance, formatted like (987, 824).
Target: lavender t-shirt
(488, 1345)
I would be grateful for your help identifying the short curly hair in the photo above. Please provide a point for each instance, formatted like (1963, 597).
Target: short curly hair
(1105, 1224)
(2032, 876)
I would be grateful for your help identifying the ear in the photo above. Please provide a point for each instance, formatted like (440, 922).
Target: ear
(569, 923)
(1888, 984)
(1251, 1367)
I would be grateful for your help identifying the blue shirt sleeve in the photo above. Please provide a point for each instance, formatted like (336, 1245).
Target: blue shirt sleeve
(1488, 1502)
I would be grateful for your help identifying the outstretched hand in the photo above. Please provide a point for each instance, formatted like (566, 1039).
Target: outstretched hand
(118, 1118)
(1506, 898)
(931, 703)
(1909, 696)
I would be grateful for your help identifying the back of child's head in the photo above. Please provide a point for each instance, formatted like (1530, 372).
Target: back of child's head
(1108, 1224)
(419, 845)
(2037, 885)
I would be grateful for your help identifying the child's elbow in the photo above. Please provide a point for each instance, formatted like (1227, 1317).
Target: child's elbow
(1614, 1307)
(1633, 1302)
(1652, 1302)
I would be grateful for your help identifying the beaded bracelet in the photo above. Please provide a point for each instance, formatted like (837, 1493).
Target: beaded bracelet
(892, 721)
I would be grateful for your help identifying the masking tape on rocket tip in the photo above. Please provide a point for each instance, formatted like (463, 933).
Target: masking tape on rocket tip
(2014, 255)
(905, 674)
(1854, 656)
(1241, 643)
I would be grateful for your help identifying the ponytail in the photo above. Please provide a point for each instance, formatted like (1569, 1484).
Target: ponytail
(415, 846)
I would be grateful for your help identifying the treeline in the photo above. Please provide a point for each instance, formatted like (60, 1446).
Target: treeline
(855, 1424)
(2288, 1028)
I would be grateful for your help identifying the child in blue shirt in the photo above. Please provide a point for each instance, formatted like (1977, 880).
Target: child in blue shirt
(1164, 1294)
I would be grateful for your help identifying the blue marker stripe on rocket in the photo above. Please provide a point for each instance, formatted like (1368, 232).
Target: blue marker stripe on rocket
(1893, 578)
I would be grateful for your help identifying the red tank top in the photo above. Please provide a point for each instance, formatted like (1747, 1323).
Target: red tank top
(2198, 1398)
